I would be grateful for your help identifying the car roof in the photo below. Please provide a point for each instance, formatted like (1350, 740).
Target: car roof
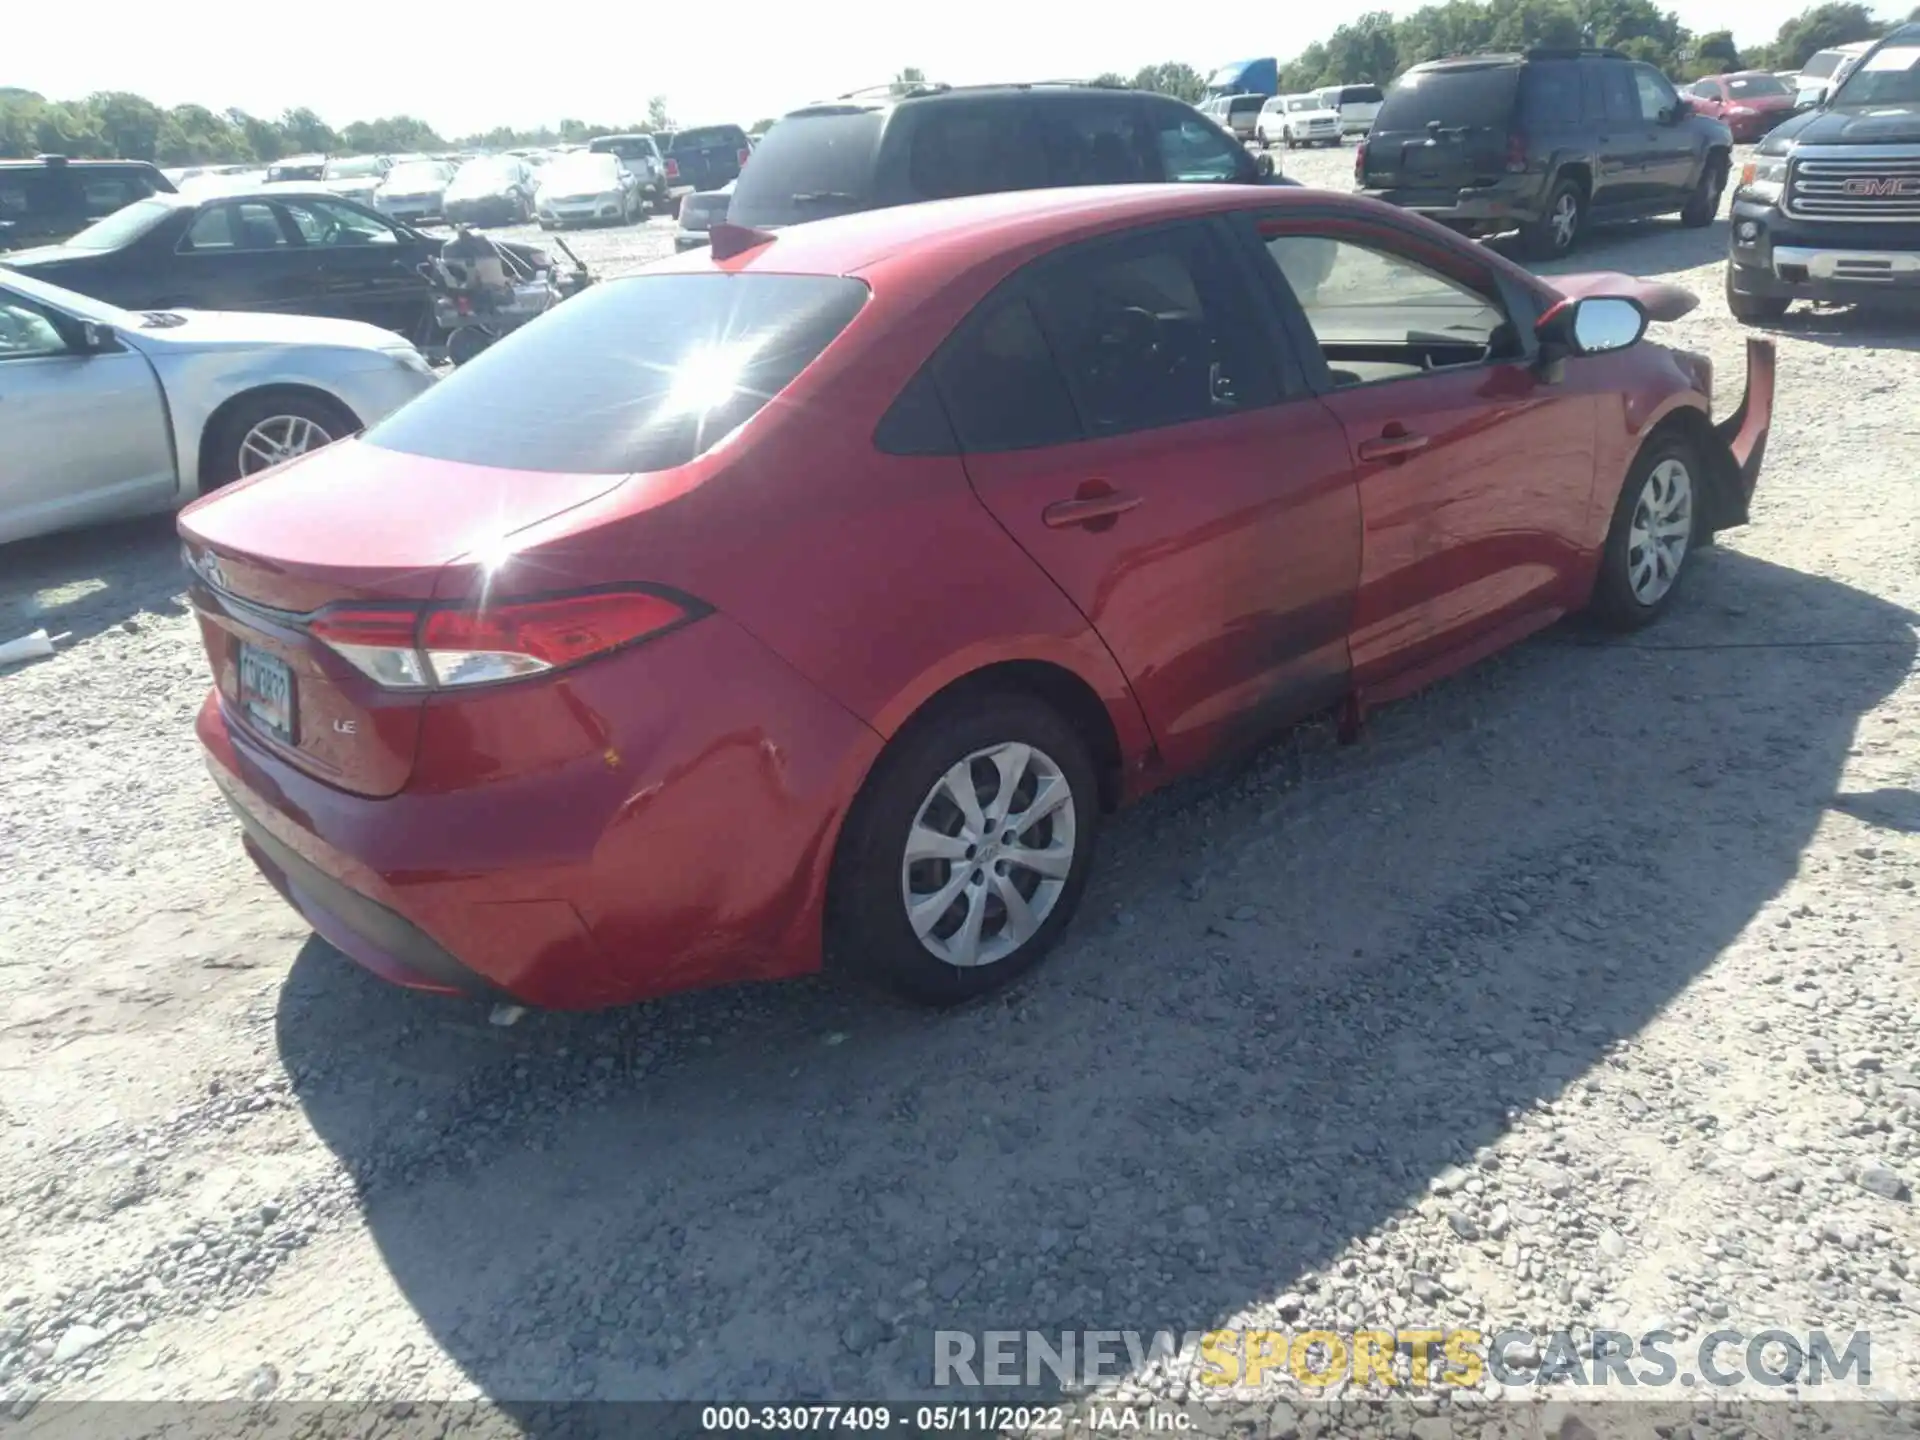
(938, 237)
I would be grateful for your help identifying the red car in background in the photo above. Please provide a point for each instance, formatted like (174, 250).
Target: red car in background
(812, 598)
(1747, 102)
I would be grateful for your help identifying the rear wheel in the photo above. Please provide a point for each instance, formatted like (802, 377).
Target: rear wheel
(1655, 525)
(267, 429)
(1703, 205)
(968, 850)
(1553, 234)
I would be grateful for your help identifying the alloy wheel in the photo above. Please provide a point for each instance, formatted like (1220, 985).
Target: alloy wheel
(279, 438)
(1662, 526)
(1565, 219)
(988, 854)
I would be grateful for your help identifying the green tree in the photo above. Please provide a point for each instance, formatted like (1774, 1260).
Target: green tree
(1172, 77)
(1839, 22)
(67, 129)
(760, 127)
(130, 124)
(1365, 52)
(912, 75)
(307, 134)
(1112, 79)
(390, 135)
(192, 134)
(264, 139)
(658, 119)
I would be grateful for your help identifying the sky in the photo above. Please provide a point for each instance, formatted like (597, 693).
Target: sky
(468, 68)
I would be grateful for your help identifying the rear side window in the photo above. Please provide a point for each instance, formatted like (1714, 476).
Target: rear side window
(1001, 386)
(710, 137)
(633, 375)
(976, 151)
(25, 192)
(1550, 95)
(103, 194)
(1822, 65)
(1099, 142)
(809, 166)
(1151, 332)
(1478, 97)
(1360, 95)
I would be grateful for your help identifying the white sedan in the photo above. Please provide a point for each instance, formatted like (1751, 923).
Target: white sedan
(108, 413)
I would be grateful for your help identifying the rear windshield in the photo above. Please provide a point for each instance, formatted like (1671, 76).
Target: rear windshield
(123, 226)
(807, 167)
(627, 148)
(1822, 64)
(1473, 98)
(1246, 104)
(1358, 95)
(709, 137)
(632, 375)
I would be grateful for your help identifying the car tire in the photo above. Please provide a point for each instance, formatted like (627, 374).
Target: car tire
(1703, 205)
(1753, 309)
(1558, 228)
(269, 417)
(1655, 531)
(1011, 739)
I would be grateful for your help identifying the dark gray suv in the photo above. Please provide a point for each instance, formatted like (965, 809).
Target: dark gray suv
(1543, 142)
(869, 151)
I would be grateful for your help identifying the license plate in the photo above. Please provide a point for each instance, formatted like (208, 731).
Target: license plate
(266, 692)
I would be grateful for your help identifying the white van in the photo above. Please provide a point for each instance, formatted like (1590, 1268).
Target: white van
(1356, 104)
(1824, 71)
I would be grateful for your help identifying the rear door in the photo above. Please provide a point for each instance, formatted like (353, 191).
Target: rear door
(1126, 422)
(1475, 477)
(1443, 130)
(243, 255)
(87, 436)
(363, 267)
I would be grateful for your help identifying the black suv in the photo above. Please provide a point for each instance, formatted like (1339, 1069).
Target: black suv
(705, 158)
(866, 152)
(47, 199)
(1543, 142)
(1828, 206)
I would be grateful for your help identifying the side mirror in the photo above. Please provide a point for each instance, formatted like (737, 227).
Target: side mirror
(95, 338)
(1592, 326)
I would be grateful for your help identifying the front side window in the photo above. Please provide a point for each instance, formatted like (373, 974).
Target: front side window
(322, 222)
(1099, 143)
(1191, 149)
(1378, 314)
(1622, 93)
(25, 331)
(1151, 332)
(1705, 90)
(1657, 97)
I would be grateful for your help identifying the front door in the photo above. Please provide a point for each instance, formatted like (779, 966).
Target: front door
(1474, 476)
(364, 268)
(1123, 419)
(1671, 160)
(86, 434)
(241, 255)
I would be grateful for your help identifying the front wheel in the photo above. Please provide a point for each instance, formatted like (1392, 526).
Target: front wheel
(1655, 524)
(267, 429)
(1753, 309)
(968, 849)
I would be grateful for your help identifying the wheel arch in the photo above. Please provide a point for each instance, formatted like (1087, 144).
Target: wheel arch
(224, 411)
(1721, 482)
(1577, 168)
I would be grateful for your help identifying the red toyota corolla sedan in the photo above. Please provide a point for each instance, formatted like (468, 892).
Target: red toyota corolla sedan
(1749, 102)
(811, 600)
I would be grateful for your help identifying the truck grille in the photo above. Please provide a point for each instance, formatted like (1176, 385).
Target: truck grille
(1866, 187)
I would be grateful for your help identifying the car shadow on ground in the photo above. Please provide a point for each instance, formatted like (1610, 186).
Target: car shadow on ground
(1649, 248)
(1296, 993)
(81, 582)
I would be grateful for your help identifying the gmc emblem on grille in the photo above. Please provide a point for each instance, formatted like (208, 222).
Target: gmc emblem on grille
(1881, 185)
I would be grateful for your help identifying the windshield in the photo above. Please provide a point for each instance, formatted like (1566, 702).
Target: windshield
(632, 375)
(711, 137)
(300, 170)
(423, 175)
(809, 167)
(123, 226)
(1304, 102)
(1750, 87)
(360, 167)
(581, 169)
(1889, 76)
(1467, 97)
(483, 175)
(1821, 65)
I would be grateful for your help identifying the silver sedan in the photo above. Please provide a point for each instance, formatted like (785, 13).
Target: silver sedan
(108, 413)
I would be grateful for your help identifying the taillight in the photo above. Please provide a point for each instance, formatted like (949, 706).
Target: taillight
(1516, 153)
(673, 168)
(1360, 162)
(406, 649)
(744, 153)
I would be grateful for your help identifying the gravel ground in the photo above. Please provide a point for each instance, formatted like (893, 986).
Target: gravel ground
(1580, 994)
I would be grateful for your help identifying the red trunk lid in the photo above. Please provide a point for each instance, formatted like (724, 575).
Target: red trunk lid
(350, 523)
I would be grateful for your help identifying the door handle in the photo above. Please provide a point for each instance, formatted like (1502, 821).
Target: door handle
(1089, 508)
(1395, 444)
